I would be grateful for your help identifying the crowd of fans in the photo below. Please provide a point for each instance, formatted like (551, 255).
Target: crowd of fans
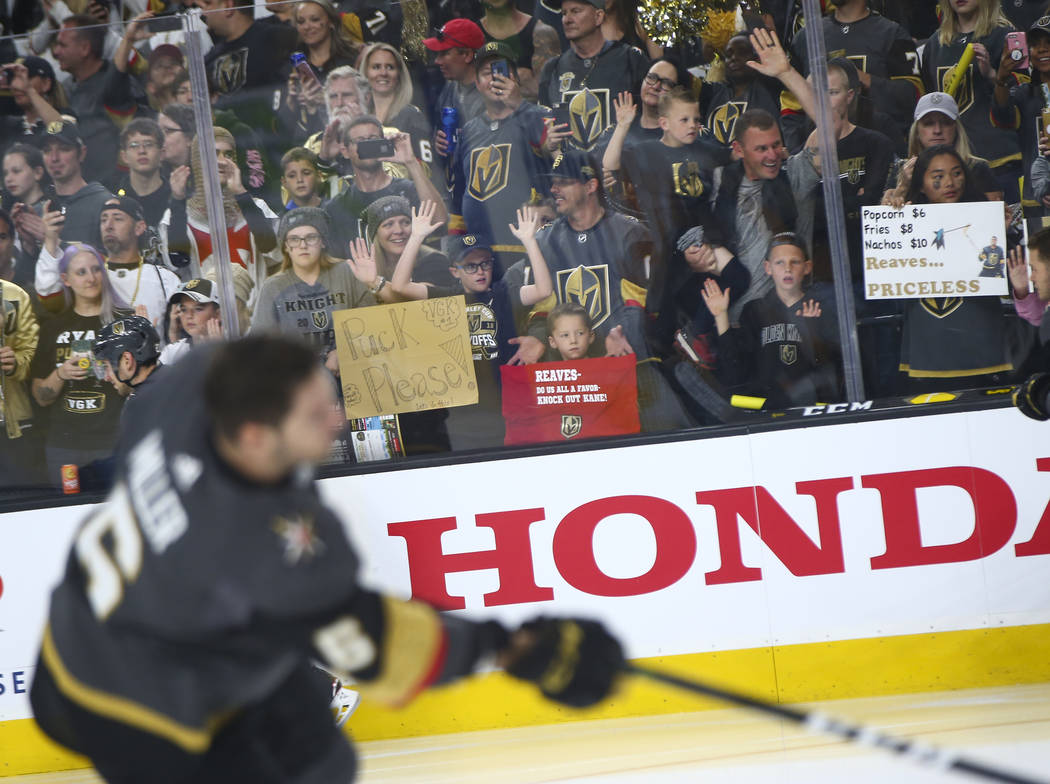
(590, 192)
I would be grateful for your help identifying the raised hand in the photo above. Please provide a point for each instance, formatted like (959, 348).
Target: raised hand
(178, 180)
(810, 309)
(1017, 270)
(362, 262)
(715, 297)
(528, 224)
(423, 222)
(772, 59)
(530, 350)
(625, 108)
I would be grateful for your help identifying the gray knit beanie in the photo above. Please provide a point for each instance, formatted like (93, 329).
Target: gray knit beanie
(305, 216)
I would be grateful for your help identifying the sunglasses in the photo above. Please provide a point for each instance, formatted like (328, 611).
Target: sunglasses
(442, 36)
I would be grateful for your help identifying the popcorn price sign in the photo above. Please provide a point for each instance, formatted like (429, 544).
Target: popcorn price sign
(934, 250)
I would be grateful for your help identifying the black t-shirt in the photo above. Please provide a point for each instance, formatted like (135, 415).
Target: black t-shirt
(86, 414)
(154, 205)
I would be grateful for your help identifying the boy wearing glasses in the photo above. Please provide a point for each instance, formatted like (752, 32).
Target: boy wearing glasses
(490, 314)
(141, 143)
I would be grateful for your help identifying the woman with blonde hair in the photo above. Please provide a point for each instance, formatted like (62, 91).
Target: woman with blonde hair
(979, 23)
(391, 82)
(311, 285)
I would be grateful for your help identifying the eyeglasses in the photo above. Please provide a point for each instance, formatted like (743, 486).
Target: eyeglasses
(146, 145)
(665, 84)
(470, 268)
(170, 131)
(309, 240)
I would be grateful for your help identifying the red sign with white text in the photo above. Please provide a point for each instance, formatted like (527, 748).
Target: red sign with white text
(557, 401)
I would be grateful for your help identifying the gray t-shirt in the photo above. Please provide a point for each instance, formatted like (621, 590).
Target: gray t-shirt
(290, 306)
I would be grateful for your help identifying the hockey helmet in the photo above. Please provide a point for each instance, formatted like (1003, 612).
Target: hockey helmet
(134, 334)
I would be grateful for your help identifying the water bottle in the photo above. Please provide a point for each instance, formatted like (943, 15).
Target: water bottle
(450, 125)
(306, 73)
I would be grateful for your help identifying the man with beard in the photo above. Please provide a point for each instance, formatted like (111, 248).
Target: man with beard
(76, 199)
(135, 281)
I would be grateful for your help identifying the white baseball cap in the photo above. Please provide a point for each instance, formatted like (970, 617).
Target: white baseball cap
(937, 102)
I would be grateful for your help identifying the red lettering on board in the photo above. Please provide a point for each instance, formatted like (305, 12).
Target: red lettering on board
(574, 545)
(511, 557)
(995, 515)
(1039, 544)
(778, 531)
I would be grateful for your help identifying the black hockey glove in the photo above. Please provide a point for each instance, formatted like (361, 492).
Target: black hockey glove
(1031, 396)
(574, 662)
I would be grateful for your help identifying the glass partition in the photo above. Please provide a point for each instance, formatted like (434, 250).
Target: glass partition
(497, 242)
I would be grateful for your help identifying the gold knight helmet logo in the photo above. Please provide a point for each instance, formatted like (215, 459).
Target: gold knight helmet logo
(571, 425)
(789, 354)
(941, 307)
(588, 287)
(489, 170)
(964, 93)
(320, 318)
(587, 116)
(687, 182)
(723, 122)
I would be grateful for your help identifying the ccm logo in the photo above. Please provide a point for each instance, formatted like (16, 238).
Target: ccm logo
(993, 501)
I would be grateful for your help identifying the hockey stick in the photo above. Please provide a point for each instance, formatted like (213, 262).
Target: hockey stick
(814, 721)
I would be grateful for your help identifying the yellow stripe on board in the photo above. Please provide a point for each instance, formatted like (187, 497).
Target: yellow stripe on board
(802, 673)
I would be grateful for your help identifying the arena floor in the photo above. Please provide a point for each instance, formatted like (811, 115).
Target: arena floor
(1005, 727)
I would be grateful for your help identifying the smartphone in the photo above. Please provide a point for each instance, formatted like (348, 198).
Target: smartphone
(375, 148)
(501, 67)
(1017, 46)
(164, 23)
(561, 115)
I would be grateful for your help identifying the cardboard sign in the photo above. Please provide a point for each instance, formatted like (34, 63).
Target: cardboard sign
(558, 401)
(934, 250)
(409, 356)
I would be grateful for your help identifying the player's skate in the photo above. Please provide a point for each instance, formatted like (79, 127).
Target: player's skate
(344, 702)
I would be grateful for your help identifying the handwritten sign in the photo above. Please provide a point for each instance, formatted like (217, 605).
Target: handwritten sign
(558, 401)
(934, 250)
(410, 356)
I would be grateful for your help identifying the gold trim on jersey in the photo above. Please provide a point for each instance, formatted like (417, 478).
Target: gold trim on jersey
(489, 170)
(1004, 160)
(631, 291)
(964, 94)
(195, 740)
(414, 637)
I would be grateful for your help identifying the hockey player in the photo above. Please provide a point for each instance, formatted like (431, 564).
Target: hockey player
(581, 84)
(179, 641)
(128, 349)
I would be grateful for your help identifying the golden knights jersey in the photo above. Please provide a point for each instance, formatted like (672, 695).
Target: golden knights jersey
(721, 107)
(998, 146)
(672, 186)
(581, 90)
(602, 268)
(497, 165)
(882, 49)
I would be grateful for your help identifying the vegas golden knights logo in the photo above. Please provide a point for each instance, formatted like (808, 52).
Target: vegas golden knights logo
(723, 121)
(588, 116)
(964, 93)
(118, 328)
(571, 425)
(230, 71)
(565, 83)
(482, 325)
(320, 318)
(851, 169)
(489, 169)
(588, 287)
(687, 182)
(941, 307)
(789, 354)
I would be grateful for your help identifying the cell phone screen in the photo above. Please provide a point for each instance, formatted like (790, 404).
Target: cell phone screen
(375, 148)
(501, 67)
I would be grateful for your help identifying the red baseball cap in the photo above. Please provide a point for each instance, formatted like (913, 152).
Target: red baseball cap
(456, 34)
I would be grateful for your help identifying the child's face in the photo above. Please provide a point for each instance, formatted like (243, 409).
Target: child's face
(571, 337)
(142, 153)
(474, 272)
(301, 179)
(788, 265)
(196, 315)
(682, 122)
